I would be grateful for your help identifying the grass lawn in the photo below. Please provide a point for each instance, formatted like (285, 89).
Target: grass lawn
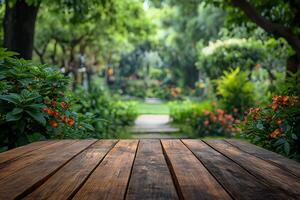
(149, 108)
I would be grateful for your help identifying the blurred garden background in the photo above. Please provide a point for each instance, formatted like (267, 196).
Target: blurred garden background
(88, 69)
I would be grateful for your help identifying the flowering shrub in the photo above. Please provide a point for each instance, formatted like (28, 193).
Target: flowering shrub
(32, 100)
(277, 126)
(217, 122)
(205, 118)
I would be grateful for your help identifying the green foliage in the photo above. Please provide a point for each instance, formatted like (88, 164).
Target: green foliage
(276, 126)
(289, 86)
(32, 101)
(182, 112)
(235, 91)
(222, 55)
(204, 119)
(111, 115)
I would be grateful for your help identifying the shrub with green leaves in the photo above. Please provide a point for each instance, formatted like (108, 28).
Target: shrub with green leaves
(204, 119)
(111, 115)
(235, 91)
(219, 56)
(276, 126)
(32, 100)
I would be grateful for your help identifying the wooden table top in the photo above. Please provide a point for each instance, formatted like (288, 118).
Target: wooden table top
(146, 169)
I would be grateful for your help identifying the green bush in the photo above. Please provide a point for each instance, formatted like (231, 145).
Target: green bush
(185, 111)
(111, 115)
(205, 119)
(235, 91)
(276, 126)
(33, 100)
(221, 55)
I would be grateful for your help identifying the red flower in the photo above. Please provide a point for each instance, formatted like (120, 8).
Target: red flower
(56, 114)
(53, 103)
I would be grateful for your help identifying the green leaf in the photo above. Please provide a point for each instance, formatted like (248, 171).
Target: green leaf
(36, 106)
(12, 98)
(88, 126)
(13, 117)
(279, 142)
(287, 148)
(16, 111)
(38, 116)
(294, 136)
(259, 125)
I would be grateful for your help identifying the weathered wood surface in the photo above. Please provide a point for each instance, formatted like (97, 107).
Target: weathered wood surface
(146, 169)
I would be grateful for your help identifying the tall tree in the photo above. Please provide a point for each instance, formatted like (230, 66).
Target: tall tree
(20, 19)
(18, 25)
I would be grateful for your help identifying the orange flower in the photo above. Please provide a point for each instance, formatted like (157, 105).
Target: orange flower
(229, 117)
(48, 111)
(56, 114)
(54, 124)
(279, 122)
(220, 111)
(206, 122)
(237, 121)
(71, 122)
(235, 110)
(206, 112)
(285, 100)
(65, 119)
(274, 106)
(64, 105)
(276, 133)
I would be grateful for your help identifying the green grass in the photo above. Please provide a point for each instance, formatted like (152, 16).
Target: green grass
(147, 108)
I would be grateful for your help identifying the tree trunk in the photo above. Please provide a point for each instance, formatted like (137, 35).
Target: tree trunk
(293, 64)
(19, 24)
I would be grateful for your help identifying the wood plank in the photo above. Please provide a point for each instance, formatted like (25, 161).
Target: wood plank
(14, 153)
(64, 183)
(151, 178)
(237, 181)
(24, 181)
(110, 178)
(192, 179)
(14, 165)
(272, 175)
(285, 163)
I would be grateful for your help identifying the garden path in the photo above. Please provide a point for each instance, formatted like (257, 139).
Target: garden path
(154, 126)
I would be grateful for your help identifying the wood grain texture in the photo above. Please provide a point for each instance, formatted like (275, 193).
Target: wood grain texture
(30, 158)
(192, 179)
(272, 175)
(30, 177)
(111, 177)
(285, 163)
(237, 181)
(63, 184)
(151, 178)
(14, 153)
